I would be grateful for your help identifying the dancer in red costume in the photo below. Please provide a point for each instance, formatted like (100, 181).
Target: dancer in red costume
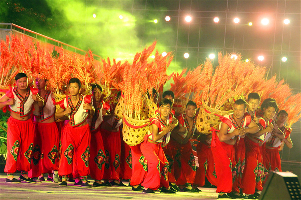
(184, 159)
(254, 169)
(110, 130)
(222, 145)
(97, 151)
(139, 167)
(46, 145)
(152, 149)
(76, 134)
(275, 141)
(20, 128)
(206, 167)
(240, 148)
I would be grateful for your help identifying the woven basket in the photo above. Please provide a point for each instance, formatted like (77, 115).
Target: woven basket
(120, 108)
(206, 121)
(134, 136)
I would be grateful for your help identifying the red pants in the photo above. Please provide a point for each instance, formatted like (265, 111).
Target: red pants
(46, 149)
(170, 153)
(126, 161)
(206, 166)
(97, 155)
(184, 163)
(254, 168)
(139, 166)
(75, 150)
(271, 159)
(240, 151)
(224, 159)
(157, 166)
(20, 135)
(112, 145)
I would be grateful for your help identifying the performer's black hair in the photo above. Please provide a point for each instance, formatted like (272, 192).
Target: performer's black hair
(266, 101)
(164, 102)
(240, 102)
(282, 112)
(168, 92)
(270, 104)
(95, 85)
(253, 96)
(20, 75)
(75, 80)
(191, 103)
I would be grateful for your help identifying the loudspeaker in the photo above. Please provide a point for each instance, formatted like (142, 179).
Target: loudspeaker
(282, 186)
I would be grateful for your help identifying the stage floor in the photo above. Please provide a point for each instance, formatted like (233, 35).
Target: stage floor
(49, 190)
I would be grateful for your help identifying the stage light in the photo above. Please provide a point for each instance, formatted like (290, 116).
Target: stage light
(216, 19)
(155, 21)
(188, 18)
(286, 21)
(284, 59)
(247, 60)
(236, 20)
(167, 18)
(120, 17)
(265, 21)
(94, 15)
(260, 58)
(211, 56)
(250, 23)
(164, 54)
(186, 55)
(152, 56)
(234, 56)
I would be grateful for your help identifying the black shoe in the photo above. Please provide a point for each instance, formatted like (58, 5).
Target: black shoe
(71, 180)
(224, 196)
(148, 191)
(63, 183)
(12, 180)
(78, 183)
(250, 196)
(185, 189)
(27, 180)
(41, 178)
(49, 179)
(256, 194)
(95, 184)
(195, 190)
(85, 184)
(117, 184)
(107, 183)
(174, 187)
(122, 184)
(165, 190)
(139, 188)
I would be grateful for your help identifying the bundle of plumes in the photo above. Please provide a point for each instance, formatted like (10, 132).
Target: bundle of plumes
(186, 87)
(22, 53)
(135, 79)
(234, 79)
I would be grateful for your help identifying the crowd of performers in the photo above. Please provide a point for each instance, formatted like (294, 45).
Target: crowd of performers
(83, 138)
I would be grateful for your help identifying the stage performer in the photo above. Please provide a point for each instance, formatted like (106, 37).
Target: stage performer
(240, 148)
(20, 127)
(254, 169)
(76, 134)
(275, 142)
(184, 160)
(110, 130)
(206, 167)
(222, 145)
(97, 151)
(46, 145)
(151, 148)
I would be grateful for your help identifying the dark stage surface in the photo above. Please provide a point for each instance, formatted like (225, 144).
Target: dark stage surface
(49, 190)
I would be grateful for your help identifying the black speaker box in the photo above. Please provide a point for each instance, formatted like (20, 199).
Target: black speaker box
(281, 186)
